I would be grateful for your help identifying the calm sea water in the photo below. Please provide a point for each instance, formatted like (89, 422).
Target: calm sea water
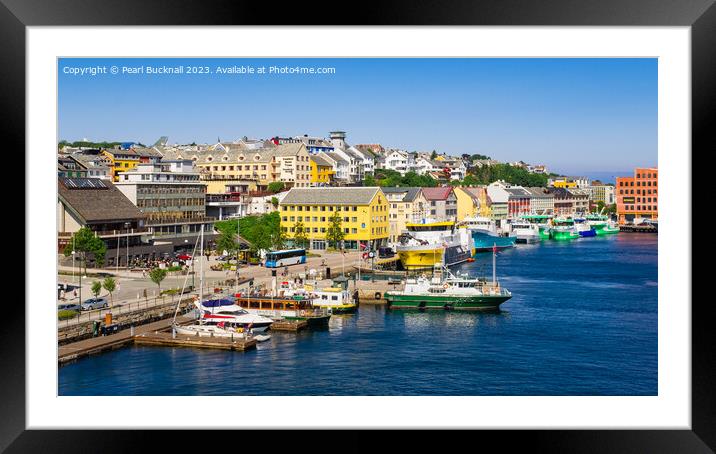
(582, 321)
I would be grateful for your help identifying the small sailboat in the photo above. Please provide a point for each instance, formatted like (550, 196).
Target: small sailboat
(222, 317)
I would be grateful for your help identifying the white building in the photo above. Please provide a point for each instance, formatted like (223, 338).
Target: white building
(264, 204)
(396, 160)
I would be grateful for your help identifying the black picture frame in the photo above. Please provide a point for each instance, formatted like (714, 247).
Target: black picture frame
(16, 15)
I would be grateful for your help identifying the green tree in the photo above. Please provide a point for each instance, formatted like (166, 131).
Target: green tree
(96, 288)
(370, 180)
(227, 241)
(434, 154)
(262, 240)
(274, 202)
(335, 233)
(85, 242)
(110, 285)
(278, 239)
(300, 237)
(157, 275)
(276, 186)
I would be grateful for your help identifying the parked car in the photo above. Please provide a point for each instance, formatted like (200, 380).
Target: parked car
(68, 307)
(94, 303)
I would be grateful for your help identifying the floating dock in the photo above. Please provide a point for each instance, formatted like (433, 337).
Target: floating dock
(167, 339)
(289, 325)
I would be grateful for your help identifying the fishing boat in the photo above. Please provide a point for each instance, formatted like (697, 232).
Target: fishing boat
(485, 234)
(336, 300)
(610, 228)
(422, 245)
(542, 221)
(563, 229)
(445, 290)
(583, 229)
(524, 231)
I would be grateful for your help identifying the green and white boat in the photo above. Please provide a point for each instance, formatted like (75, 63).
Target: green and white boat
(447, 291)
(601, 224)
(542, 221)
(563, 229)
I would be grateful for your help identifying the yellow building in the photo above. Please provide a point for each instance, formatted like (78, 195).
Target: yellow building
(288, 163)
(481, 199)
(468, 203)
(563, 183)
(121, 161)
(406, 205)
(363, 212)
(321, 170)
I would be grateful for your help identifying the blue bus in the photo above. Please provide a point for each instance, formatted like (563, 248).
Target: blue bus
(277, 259)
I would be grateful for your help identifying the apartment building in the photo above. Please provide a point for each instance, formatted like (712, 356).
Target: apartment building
(363, 211)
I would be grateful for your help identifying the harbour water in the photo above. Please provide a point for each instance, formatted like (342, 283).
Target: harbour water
(582, 321)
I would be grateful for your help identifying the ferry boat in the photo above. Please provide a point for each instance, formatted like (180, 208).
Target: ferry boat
(485, 234)
(524, 232)
(422, 245)
(583, 229)
(563, 229)
(445, 290)
(337, 300)
(297, 308)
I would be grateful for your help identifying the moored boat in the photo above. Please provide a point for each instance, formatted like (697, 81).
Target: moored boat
(422, 245)
(445, 290)
(563, 229)
(485, 234)
(284, 308)
(337, 300)
(524, 232)
(583, 229)
(229, 314)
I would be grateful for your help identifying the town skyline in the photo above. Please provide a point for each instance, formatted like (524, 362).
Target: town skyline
(577, 116)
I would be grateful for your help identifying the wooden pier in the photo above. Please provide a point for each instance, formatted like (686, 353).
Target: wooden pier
(167, 339)
(289, 325)
(639, 228)
(157, 333)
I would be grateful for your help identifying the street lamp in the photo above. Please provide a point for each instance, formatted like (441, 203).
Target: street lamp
(73, 261)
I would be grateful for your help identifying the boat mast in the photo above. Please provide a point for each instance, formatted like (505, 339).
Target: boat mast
(201, 266)
(494, 260)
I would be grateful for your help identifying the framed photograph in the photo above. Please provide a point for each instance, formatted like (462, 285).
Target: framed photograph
(407, 218)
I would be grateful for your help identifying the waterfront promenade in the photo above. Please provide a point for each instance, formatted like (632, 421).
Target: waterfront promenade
(132, 283)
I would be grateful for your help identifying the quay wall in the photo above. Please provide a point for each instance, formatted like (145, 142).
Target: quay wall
(84, 330)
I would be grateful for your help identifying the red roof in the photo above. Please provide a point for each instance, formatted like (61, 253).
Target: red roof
(437, 193)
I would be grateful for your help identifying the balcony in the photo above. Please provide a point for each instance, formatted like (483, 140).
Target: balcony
(224, 199)
(180, 220)
(110, 233)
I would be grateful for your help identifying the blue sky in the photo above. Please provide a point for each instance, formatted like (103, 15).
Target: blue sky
(578, 116)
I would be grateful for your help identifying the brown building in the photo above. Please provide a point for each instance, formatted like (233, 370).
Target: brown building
(100, 206)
